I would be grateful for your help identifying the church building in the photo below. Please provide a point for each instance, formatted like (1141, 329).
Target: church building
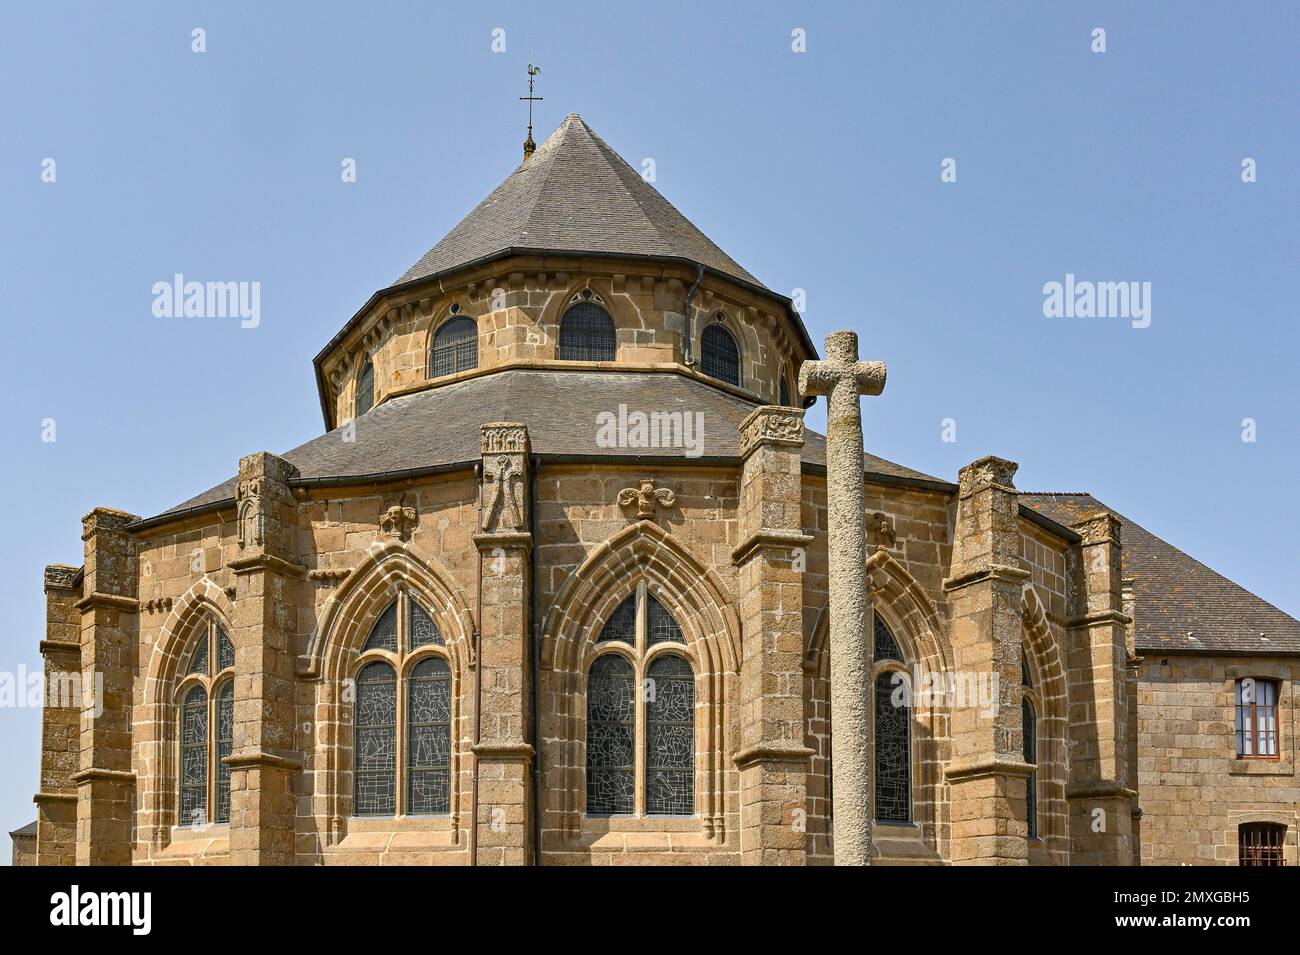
(551, 589)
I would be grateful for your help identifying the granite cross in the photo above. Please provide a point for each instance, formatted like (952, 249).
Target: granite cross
(842, 379)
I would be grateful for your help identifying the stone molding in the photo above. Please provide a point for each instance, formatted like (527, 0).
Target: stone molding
(769, 540)
(62, 577)
(98, 774)
(987, 472)
(773, 753)
(266, 562)
(995, 572)
(960, 770)
(99, 601)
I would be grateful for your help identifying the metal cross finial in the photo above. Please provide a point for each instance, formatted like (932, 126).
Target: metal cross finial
(529, 146)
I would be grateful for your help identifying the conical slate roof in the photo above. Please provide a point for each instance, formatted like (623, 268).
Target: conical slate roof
(575, 195)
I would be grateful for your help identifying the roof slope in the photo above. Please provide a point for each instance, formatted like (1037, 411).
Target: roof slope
(441, 426)
(576, 194)
(1177, 595)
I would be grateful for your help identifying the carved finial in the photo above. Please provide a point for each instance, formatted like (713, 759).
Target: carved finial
(647, 498)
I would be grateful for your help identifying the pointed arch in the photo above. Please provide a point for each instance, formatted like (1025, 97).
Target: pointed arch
(1049, 693)
(203, 597)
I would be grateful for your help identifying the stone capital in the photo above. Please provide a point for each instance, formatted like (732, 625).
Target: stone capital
(1100, 527)
(62, 577)
(771, 425)
(987, 472)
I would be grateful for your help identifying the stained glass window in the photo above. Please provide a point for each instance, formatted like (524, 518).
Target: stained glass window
(194, 757)
(423, 629)
(719, 354)
(366, 388)
(670, 737)
(375, 772)
(622, 623)
(383, 636)
(660, 625)
(1256, 719)
(226, 649)
(455, 348)
(225, 744)
(783, 393)
(1029, 720)
(587, 334)
(611, 737)
(199, 659)
(428, 748)
(886, 646)
(893, 751)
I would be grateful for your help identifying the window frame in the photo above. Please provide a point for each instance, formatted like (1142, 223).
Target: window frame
(454, 314)
(1029, 697)
(212, 685)
(403, 661)
(367, 364)
(721, 324)
(642, 655)
(1254, 729)
(1264, 852)
(585, 297)
(887, 667)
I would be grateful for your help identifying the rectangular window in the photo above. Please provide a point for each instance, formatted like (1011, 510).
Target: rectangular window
(1260, 844)
(1256, 719)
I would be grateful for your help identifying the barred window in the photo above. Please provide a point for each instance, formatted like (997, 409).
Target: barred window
(1256, 719)
(1261, 844)
(207, 717)
(587, 333)
(455, 348)
(719, 354)
(651, 771)
(366, 388)
(410, 716)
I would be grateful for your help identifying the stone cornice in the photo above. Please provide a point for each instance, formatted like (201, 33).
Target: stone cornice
(994, 572)
(266, 562)
(262, 758)
(773, 540)
(773, 753)
(40, 798)
(507, 540)
(1099, 789)
(980, 766)
(100, 601)
(98, 774)
(1083, 621)
(60, 646)
(509, 751)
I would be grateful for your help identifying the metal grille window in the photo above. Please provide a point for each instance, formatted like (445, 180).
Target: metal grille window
(719, 354)
(206, 701)
(641, 745)
(455, 348)
(1256, 719)
(1261, 844)
(366, 388)
(587, 333)
(402, 757)
(893, 750)
(1029, 721)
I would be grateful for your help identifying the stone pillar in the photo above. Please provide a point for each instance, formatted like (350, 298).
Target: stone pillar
(1099, 791)
(502, 754)
(56, 802)
(110, 621)
(987, 772)
(771, 755)
(269, 597)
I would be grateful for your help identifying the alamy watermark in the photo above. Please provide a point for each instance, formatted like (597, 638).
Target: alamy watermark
(62, 690)
(1084, 299)
(651, 429)
(181, 299)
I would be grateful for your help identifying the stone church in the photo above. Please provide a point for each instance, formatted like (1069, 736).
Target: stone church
(551, 588)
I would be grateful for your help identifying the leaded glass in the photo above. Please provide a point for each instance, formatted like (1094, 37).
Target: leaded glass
(225, 649)
(621, 624)
(893, 752)
(455, 348)
(670, 737)
(199, 658)
(428, 750)
(194, 757)
(366, 388)
(225, 744)
(659, 624)
(423, 629)
(1029, 722)
(611, 737)
(719, 354)
(375, 773)
(383, 636)
(886, 645)
(587, 334)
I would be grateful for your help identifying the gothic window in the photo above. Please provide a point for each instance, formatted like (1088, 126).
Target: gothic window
(455, 347)
(1029, 722)
(719, 354)
(1261, 844)
(1256, 719)
(783, 390)
(402, 726)
(586, 330)
(641, 745)
(366, 388)
(207, 719)
(886, 645)
(893, 730)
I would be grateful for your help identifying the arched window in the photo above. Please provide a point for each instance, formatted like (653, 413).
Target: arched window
(783, 390)
(719, 354)
(893, 731)
(455, 347)
(207, 719)
(650, 772)
(366, 388)
(402, 727)
(586, 330)
(1029, 723)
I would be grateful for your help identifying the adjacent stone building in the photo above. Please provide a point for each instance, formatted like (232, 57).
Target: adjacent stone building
(551, 589)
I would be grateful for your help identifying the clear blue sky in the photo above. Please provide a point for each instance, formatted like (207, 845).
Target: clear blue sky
(818, 170)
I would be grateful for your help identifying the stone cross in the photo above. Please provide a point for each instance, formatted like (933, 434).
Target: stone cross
(842, 379)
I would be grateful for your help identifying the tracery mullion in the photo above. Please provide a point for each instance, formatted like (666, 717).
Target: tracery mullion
(403, 644)
(639, 769)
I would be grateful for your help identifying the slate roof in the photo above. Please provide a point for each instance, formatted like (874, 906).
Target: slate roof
(575, 195)
(1176, 594)
(441, 426)
(28, 830)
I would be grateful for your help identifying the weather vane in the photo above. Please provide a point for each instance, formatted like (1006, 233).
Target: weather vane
(529, 146)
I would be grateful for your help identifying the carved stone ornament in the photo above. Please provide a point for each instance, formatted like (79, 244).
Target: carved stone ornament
(647, 498)
(880, 529)
(398, 522)
(252, 519)
(771, 425)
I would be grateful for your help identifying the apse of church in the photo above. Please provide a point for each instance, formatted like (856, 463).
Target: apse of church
(552, 588)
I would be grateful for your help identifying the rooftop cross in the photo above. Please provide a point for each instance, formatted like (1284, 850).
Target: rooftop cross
(529, 146)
